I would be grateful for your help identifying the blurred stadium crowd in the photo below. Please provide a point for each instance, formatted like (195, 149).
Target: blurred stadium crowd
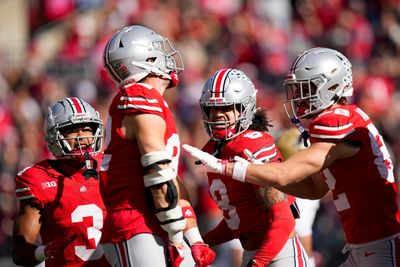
(62, 57)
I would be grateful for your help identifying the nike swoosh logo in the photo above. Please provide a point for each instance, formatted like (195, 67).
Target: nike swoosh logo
(366, 254)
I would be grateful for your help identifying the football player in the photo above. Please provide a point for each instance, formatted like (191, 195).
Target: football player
(259, 216)
(59, 198)
(347, 155)
(148, 208)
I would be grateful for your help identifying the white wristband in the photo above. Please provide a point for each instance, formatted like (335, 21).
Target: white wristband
(176, 237)
(39, 253)
(239, 170)
(193, 235)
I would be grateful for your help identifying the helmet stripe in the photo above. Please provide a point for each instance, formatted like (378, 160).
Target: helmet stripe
(219, 82)
(76, 104)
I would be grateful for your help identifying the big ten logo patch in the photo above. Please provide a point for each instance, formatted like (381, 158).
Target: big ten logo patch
(49, 184)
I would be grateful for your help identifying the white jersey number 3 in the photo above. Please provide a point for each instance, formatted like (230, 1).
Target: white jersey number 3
(90, 210)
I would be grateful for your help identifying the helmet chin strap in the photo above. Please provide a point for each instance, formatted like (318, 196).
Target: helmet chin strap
(172, 77)
(90, 171)
(173, 82)
(305, 135)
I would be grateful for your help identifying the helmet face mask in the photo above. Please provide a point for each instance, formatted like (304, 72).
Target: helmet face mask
(223, 129)
(136, 51)
(82, 143)
(317, 79)
(303, 96)
(228, 89)
(65, 116)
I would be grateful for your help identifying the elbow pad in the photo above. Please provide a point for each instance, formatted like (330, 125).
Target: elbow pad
(159, 177)
(171, 218)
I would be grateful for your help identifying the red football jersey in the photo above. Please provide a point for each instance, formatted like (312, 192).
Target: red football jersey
(70, 205)
(122, 186)
(363, 186)
(237, 200)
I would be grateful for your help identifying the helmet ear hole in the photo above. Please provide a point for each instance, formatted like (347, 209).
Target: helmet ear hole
(333, 88)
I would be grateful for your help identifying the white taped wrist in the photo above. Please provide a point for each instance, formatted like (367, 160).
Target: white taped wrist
(193, 235)
(171, 214)
(239, 170)
(39, 253)
(176, 237)
(176, 226)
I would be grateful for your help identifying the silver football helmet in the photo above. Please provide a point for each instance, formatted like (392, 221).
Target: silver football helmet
(228, 87)
(317, 79)
(136, 51)
(69, 112)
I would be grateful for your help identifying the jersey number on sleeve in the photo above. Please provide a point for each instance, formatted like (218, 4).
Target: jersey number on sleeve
(252, 135)
(383, 164)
